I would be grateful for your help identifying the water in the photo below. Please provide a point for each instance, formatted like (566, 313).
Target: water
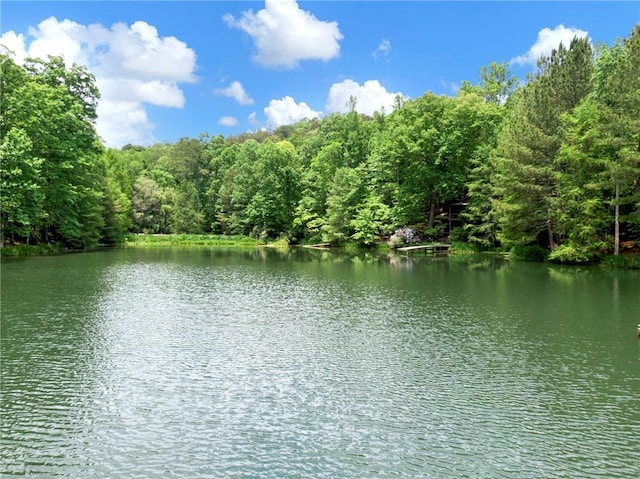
(258, 364)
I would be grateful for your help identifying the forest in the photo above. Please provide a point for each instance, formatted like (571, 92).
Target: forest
(552, 162)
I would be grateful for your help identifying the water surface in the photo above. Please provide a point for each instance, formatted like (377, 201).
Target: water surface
(260, 364)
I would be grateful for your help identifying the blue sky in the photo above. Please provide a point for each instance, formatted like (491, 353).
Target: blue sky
(171, 69)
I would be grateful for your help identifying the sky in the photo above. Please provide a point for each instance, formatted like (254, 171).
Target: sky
(173, 69)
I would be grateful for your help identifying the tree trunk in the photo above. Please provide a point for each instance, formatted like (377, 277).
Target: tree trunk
(550, 231)
(432, 215)
(616, 244)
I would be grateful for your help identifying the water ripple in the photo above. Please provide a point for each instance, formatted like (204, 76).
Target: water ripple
(273, 370)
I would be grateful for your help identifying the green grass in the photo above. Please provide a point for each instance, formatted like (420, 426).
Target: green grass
(144, 240)
(461, 247)
(31, 250)
(621, 261)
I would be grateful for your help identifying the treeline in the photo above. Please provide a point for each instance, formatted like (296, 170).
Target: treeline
(554, 162)
(51, 174)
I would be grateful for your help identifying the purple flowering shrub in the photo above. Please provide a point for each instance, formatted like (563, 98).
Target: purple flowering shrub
(403, 236)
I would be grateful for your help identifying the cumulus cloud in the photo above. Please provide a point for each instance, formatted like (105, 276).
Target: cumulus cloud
(383, 50)
(228, 121)
(548, 40)
(123, 122)
(142, 54)
(11, 42)
(58, 38)
(284, 34)
(133, 66)
(154, 92)
(237, 92)
(286, 111)
(371, 96)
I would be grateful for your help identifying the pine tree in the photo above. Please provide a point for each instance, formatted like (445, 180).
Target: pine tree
(527, 178)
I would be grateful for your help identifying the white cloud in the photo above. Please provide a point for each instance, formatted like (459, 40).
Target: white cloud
(123, 122)
(13, 43)
(228, 121)
(252, 118)
(371, 97)
(237, 92)
(153, 92)
(58, 38)
(284, 34)
(132, 64)
(142, 54)
(383, 49)
(286, 111)
(548, 40)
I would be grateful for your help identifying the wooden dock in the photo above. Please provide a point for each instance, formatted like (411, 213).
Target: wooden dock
(435, 249)
(323, 246)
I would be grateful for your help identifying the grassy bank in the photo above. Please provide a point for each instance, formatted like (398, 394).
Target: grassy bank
(621, 261)
(145, 240)
(31, 250)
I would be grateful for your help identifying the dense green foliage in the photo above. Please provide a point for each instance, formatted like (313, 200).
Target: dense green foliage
(551, 166)
(52, 186)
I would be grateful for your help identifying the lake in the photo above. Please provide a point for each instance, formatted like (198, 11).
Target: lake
(210, 363)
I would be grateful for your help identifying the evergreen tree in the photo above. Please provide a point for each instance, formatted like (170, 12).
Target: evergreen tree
(527, 171)
(602, 152)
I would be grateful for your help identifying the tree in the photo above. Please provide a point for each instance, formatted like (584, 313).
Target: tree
(238, 186)
(470, 137)
(271, 207)
(188, 163)
(496, 84)
(76, 80)
(345, 195)
(220, 158)
(372, 220)
(310, 213)
(54, 107)
(411, 155)
(150, 208)
(527, 178)
(20, 187)
(602, 150)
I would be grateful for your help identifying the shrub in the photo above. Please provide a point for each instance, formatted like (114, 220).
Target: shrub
(569, 254)
(402, 237)
(462, 247)
(459, 235)
(532, 253)
(621, 261)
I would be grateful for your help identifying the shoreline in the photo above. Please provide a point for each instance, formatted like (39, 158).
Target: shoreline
(628, 261)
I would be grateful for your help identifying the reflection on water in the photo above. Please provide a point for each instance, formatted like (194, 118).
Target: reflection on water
(304, 363)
